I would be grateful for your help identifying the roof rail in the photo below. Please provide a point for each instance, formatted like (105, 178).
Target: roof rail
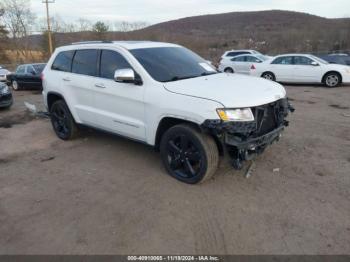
(91, 42)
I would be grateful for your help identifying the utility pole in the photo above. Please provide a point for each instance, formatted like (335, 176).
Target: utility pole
(47, 2)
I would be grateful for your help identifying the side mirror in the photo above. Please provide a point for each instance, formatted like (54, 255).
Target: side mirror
(124, 75)
(314, 63)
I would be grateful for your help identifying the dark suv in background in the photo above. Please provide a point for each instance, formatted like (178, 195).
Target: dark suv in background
(26, 77)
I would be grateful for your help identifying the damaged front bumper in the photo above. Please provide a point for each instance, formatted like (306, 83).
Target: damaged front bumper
(245, 140)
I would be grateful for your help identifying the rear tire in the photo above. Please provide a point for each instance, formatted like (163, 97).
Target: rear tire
(332, 80)
(229, 70)
(62, 121)
(269, 76)
(189, 155)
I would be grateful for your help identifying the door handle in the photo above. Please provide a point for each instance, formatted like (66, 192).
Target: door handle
(67, 79)
(100, 85)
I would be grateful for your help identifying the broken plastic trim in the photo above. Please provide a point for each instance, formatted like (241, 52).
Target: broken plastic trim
(245, 140)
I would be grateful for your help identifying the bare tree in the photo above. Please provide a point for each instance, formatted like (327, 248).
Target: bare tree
(18, 19)
(84, 25)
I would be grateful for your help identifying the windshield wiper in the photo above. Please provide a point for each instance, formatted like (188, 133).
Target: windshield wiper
(176, 78)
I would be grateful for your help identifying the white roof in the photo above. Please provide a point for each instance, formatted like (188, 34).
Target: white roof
(127, 44)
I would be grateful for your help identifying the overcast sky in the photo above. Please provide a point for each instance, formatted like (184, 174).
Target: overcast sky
(154, 11)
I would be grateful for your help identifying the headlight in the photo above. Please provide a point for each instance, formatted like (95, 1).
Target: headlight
(242, 115)
(5, 90)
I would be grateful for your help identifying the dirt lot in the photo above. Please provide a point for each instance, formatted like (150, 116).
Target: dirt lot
(102, 194)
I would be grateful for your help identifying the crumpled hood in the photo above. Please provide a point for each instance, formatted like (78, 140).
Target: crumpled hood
(231, 90)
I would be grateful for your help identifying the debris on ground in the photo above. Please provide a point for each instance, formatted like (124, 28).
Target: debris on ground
(250, 170)
(47, 159)
(276, 170)
(32, 108)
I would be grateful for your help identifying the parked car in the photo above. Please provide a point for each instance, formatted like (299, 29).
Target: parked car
(166, 96)
(26, 77)
(241, 63)
(340, 59)
(6, 99)
(302, 68)
(234, 53)
(3, 74)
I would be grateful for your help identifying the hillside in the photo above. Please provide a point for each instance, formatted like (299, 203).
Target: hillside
(268, 31)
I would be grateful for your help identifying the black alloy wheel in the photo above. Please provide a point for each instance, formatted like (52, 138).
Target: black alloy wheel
(189, 155)
(62, 121)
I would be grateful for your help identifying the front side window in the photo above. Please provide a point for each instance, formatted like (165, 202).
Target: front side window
(166, 64)
(63, 61)
(85, 62)
(110, 62)
(302, 60)
(284, 60)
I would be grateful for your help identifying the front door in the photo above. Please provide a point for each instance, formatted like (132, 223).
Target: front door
(119, 107)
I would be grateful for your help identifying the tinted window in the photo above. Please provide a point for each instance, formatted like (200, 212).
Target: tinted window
(63, 61)
(285, 60)
(302, 60)
(39, 68)
(237, 53)
(110, 62)
(20, 70)
(253, 59)
(166, 64)
(30, 70)
(85, 62)
(239, 59)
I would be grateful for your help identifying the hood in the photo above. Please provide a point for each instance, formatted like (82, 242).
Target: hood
(230, 90)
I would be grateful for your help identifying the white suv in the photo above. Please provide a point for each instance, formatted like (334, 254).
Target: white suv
(166, 96)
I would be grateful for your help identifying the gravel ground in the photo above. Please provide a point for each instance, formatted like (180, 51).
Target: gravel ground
(102, 194)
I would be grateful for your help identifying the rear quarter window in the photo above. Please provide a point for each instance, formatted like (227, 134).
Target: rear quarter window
(63, 61)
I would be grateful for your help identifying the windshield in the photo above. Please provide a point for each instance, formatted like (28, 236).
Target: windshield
(320, 60)
(167, 64)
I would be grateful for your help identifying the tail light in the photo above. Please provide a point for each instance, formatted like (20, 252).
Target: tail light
(253, 67)
(42, 76)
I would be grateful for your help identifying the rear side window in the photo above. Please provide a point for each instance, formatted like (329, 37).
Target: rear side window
(237, 53)
(284, 60)
(110, 62)
(239, 59)
(85, 62)
(63, 61)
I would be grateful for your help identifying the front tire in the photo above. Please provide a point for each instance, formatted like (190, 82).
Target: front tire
(269, 76)
(332, 80)
(15, 85)
(189, 155)
(62, 121)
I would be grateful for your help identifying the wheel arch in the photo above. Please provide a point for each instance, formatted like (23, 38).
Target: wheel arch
(334, 72)
(168, 122)
(229, 67)
(52, 97)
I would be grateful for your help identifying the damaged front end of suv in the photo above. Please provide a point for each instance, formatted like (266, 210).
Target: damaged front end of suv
(245, 133)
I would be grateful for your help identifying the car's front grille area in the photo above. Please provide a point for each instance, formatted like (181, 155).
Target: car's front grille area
(270, 116)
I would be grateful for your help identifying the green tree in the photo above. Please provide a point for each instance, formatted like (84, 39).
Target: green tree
(100, 28)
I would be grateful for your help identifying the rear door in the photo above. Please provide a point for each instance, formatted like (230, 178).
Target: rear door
(239, 63)
(79, 84)
(119, 107)
(283, 67)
